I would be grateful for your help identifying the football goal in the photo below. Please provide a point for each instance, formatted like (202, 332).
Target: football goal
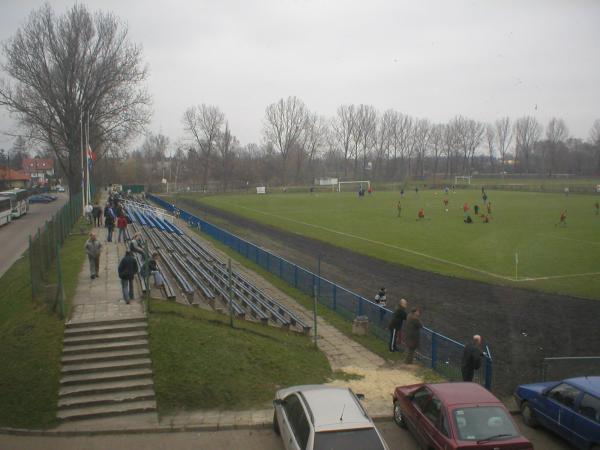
(464, 179)
(366, 184)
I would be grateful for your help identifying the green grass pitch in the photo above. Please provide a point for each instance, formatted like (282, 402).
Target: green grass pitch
(550, 257)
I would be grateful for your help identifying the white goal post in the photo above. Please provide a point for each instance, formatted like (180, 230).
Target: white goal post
(466, 178)
(367, 182)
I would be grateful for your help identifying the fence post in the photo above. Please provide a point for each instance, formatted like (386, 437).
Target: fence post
(360, 306)
(433, 350)
(60, 293)
(334, 297)
(488, 373)
(31, 275)
(295, 276)
(280, 268)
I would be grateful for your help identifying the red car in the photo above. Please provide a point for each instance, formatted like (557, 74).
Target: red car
(456, 416)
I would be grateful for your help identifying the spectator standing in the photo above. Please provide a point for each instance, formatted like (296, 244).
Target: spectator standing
(127, 269)
(97, 213)
(136, 245)
(88, 213)
(381, 297)
(412, 334)
(471, 359)
(109, 223)
(122, 226)
(93, 248)
(395, 325)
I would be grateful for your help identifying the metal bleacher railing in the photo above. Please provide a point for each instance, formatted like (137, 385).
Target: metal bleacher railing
(437, 351)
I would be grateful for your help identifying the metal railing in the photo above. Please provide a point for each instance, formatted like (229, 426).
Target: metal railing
(441, 353)
(44, 253)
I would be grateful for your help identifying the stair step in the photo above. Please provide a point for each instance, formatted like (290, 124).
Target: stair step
(108, 337)
(93, 323)
(83, 378)
(106, 398)
(107, 410)
(105, 366)
(112, 355)
(105, 386)
(104, 346)
(100, 329)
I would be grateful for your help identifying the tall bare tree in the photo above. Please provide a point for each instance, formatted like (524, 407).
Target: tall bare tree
(314, 137)
(226, 145)
(204, 124)
(504, 135)
(527, 131)
(283, 126)
(343, 128)
(490, 138)
(436, 145)
(421, 138)
(64, 66)
(557, 133)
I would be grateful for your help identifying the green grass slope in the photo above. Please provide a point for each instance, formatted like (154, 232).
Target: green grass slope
(200, 362)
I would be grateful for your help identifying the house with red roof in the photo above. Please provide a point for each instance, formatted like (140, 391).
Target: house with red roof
(10, 179)
(39, 169)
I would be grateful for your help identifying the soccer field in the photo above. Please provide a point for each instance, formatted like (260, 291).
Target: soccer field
(550, 257)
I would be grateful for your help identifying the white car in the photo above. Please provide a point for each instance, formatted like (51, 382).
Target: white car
(60, 189)
(314, 417)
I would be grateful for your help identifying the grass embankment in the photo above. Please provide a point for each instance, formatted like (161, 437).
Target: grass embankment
(31, 342)
(200, 362)
(551, 258)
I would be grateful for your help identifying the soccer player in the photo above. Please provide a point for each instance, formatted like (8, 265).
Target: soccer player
(597, 206)
(446, 204)
(465, 207)
(489, 208)
(563, 218)
(468, 219)
(399, 208)
(421, 214)
(476, 209)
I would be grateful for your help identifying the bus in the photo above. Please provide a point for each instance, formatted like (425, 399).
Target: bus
(5, 210)
(18, 198)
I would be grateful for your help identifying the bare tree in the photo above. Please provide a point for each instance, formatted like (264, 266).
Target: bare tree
(421, 132)
(556, 135)
(367, 123)
(490, 137)
(343, 128)
(436, 144)
(283, 125)
(62, 67)
(204, 124)
(527, 131)
(226, 146)
(314, 137)
(383, 139)
(504, 135)
(595, 140)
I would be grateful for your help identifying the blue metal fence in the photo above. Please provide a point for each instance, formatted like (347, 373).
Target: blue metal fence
(437, 351)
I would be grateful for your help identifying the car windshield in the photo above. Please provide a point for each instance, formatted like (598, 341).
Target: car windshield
(362, 439)
(483, 422)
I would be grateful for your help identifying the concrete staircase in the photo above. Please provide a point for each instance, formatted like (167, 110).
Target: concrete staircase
(106, 370)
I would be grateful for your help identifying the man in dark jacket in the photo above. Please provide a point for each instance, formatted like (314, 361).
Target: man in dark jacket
(412, 334)
(127, 269)
(395, 325)
(471, 359)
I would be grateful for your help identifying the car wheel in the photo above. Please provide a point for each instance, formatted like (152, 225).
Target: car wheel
(398, 416)
(528, 415)
(276, 424)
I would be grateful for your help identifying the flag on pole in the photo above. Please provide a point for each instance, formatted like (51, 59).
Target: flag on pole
(91, 157)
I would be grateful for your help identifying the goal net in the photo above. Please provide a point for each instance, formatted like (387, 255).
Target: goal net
(353, 185)
(465, 179)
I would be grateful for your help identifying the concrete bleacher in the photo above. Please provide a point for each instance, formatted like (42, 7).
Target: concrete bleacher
(201, 274)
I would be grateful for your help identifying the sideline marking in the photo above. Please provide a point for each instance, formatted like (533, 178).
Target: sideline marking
(424, 255)
(583, 241)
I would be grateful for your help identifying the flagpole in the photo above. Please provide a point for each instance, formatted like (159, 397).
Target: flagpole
(87, 155)
(82, 167)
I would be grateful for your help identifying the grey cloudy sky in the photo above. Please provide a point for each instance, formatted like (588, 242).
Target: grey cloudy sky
(435, 59)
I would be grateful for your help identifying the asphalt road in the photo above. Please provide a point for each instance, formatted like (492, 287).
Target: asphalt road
(264, 439)
(14, 237)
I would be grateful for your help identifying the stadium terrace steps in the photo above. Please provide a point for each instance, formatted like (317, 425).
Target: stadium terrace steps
(106, 370)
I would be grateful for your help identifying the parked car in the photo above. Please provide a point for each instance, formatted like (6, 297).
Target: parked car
(313, 417)
(49, 196)
(60, 189)
(456, 416)
(570, 408)
(39, 199)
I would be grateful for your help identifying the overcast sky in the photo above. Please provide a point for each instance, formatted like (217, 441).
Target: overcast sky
(435, 59)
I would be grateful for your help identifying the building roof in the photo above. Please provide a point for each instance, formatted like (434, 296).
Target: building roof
(462, 393)
(35, 164)
(7, 174)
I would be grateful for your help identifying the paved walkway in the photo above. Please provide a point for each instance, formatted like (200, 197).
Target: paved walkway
(98, 299)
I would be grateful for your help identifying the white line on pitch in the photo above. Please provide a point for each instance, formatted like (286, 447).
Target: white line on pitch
(583, 241)
(552, 277)
(395, 247)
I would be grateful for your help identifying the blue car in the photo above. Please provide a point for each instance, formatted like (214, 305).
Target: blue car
(570, 408)
(39, 199)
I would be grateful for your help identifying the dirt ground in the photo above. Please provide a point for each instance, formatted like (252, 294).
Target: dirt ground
(520, 326)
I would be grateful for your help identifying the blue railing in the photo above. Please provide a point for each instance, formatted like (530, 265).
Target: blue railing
(439, 352)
